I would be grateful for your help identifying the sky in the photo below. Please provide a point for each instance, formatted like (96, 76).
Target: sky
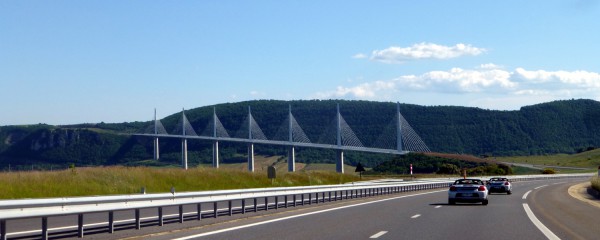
(69, 62)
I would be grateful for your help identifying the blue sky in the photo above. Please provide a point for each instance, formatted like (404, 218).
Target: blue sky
(65, 62)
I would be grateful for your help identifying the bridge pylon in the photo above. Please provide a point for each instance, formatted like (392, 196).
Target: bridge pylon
(184, 153)
(250, 145)
(291, 150)
(155, 142)
(339, 160)
(215, 155)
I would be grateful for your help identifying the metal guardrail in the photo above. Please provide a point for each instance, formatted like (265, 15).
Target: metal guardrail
(44, 208)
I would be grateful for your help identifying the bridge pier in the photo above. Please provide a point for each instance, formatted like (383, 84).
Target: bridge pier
(339, 161)
(251, 157)
(216, 154)
(291, 159)
(156, 152)
(184, 157)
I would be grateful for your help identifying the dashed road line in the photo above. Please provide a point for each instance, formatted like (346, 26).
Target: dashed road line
(525, 195)
(438, 206)
(299, 215)
(549, 234)
(379, 234)
(541, 186)
(416, 216)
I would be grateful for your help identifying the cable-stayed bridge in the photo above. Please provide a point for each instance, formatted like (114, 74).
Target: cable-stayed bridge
(397, 138)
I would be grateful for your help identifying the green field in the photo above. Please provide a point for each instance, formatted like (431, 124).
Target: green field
(589, 159)
(130, 180)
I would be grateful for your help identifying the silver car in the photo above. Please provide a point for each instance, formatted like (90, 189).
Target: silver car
(499, 184)
(468, 190)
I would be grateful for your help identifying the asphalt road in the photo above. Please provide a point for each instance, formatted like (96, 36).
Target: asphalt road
(413, 215)
(423, 215)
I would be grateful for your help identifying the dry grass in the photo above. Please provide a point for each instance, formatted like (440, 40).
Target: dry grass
(596, 183)
(129, 180)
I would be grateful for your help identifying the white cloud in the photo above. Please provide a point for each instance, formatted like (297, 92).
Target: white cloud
(521, 85)
(423, 51)
(359, 56)
(490, 66)
(581, 79)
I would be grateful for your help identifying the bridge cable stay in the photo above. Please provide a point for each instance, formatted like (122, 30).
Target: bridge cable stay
(250, 130)
(184, 128)
(156, 127)
(348, 136)
(215, 129)
(283, 131)
(411, 140)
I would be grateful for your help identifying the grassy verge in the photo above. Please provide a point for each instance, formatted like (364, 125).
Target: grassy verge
(130, 180)
(596, 183)
(589, 159)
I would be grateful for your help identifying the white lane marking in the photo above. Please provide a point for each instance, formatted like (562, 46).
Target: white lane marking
(541, 186)
(416, 216)
(558, 183)
(379, 234)
(525, 195)
(299, 215)
(438, 206)
(549, 234)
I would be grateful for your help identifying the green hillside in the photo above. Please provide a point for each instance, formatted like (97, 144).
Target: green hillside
(550, 128)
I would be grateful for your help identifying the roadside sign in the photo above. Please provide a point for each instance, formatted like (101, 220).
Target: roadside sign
(271, 172)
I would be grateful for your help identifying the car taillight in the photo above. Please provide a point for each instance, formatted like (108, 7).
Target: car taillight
(452, 188)
(506, 183)
(481, 188)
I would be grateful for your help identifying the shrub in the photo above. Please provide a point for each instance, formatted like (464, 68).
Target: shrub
(596, 183)
(548, 171)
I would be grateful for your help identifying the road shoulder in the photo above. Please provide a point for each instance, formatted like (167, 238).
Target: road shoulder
(585, 193)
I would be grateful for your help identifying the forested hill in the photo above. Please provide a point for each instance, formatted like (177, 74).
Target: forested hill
(555, 127)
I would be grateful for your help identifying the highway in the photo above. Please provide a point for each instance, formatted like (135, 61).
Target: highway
(412, 215)
(420, 215)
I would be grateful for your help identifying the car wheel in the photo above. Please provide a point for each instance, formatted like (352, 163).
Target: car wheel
(451, 201)
(509, 192)
(485, 202)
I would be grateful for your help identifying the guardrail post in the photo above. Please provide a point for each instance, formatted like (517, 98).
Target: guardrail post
(243, 206)
(230, 208)
(309, 198)
(80, 225)
(286, 201)
(2, 229)
(44, 228)
(329, 197)
(111, 222)
(276, 202)
(180, 213)
(138, 224)
(215, 211)
(160, 216)
(295, 203)
(266, 203)
(199, 210)
(255, 205)
(302, 199)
